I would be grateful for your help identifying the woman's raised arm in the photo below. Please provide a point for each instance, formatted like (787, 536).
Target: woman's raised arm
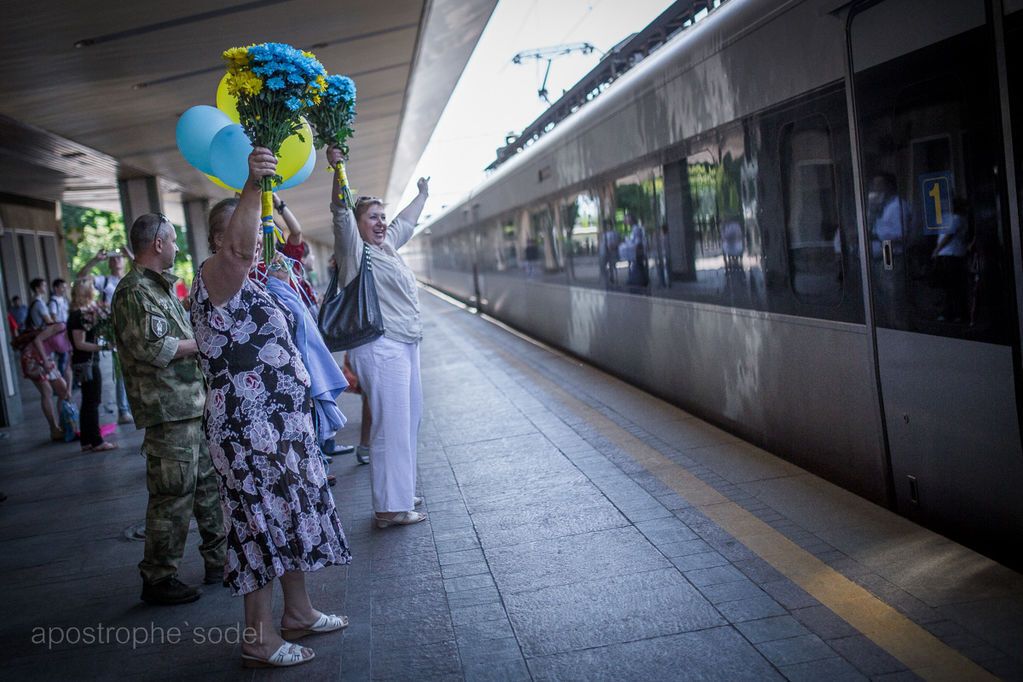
(226, 270)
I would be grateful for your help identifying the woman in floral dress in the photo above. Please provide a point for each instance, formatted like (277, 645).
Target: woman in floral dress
(279, 511)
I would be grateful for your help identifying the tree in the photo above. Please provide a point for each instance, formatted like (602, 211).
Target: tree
(87, 230)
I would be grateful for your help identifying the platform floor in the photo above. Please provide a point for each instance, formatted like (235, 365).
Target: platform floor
(579, 529)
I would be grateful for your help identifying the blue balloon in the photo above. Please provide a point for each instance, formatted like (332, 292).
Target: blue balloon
(195, 131)
(303, 173)
(229, 155)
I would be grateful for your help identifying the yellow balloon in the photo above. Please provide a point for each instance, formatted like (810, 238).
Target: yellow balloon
(295, 152)
(227, 102)
(220, 183)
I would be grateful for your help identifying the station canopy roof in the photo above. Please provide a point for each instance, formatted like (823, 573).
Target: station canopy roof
(92, 92)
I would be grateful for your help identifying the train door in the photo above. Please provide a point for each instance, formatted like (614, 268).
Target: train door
(940, 262)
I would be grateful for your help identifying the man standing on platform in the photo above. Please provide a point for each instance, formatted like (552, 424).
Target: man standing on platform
(167, 395)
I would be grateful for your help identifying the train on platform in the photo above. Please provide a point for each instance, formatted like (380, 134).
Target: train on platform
(800, 221)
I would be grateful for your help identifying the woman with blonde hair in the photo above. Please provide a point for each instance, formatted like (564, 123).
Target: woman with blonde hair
(388, 368)
(81, 325)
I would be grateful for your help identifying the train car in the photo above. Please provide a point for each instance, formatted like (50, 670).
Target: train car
(800, 221)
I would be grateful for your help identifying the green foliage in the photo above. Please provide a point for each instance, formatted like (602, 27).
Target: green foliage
(87, 230)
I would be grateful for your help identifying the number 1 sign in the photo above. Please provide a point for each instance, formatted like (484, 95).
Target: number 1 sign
(936, 189)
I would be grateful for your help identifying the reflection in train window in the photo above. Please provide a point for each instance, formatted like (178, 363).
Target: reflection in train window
(579, 216)
(812, 225)
(932, 156)
(638, 214)
(542, 252)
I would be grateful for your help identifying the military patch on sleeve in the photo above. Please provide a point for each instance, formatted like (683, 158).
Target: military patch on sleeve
(158, 326)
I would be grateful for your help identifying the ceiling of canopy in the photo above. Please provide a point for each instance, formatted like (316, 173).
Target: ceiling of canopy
(87, 96)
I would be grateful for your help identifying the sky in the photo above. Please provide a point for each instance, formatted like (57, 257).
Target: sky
(495, 97)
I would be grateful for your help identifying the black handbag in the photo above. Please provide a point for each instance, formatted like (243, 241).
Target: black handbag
(350, 317)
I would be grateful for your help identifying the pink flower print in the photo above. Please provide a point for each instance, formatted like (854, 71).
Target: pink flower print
(216, 403)
(241, 332)
(253, 553)
(278, 536)
(309, 531)
(249, 485)
(274, 355)
(263, 437)
(291, 461)
(211, 345)
(249, 385)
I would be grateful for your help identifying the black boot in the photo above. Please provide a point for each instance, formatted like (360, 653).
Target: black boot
(168, 592)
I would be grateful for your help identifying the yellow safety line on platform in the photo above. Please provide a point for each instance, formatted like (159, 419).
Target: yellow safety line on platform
(923, 653)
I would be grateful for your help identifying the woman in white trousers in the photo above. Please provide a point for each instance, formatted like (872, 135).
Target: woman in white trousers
(388, 368)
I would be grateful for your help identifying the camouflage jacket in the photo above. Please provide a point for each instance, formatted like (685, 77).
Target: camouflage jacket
(148, 323)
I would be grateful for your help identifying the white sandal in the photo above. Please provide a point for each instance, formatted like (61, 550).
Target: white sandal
(323, 624)
(287, 655)
(404, 518)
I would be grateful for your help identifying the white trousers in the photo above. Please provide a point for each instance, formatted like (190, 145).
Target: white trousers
(388, 373)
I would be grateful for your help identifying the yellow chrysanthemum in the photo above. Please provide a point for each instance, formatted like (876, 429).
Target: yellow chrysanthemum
(241, 83)
(237, 57)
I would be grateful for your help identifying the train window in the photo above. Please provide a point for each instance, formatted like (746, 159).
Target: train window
(579, 216)
(707, 254)
(510, 237)
(812, 227)
(543, 246)
(638, 213)
(934, 213)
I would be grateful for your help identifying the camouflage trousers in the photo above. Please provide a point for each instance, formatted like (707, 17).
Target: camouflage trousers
(181, 482)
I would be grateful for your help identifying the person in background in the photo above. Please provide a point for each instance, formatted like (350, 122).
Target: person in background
(85, 362)
(167, 393)
(19, 311)
(295, 248)
(56, 341)
(58, 306)
(38, 311)
(281, 517)
(366, 425)
(106, 285)
(38, 366)
(387, 368)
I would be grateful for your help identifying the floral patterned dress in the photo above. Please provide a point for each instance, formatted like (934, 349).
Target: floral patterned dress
(279, 512)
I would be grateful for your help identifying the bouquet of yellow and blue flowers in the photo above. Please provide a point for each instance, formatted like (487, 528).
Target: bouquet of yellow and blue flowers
(275, 84)
(332, 118)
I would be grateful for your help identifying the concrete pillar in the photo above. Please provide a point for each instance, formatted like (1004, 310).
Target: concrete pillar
(197, 229)
(138, 196)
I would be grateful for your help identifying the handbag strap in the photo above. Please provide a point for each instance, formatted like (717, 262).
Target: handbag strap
(367, 258)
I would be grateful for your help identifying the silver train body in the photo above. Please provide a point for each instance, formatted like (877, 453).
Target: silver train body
(798, 220)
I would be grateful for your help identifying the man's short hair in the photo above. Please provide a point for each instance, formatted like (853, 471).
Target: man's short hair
(146, 229)
(37, 283)
(56, 283)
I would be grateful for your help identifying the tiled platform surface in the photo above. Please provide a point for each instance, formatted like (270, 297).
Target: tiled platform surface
(551, 553)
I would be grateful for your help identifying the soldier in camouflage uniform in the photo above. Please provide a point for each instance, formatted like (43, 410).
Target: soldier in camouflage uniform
(167, 394)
